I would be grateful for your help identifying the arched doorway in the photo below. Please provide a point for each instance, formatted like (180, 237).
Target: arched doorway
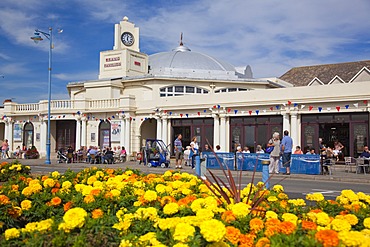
(28, 134)
(148, 130)
(104, 134)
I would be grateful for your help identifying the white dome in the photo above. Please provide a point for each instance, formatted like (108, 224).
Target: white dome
(182, 62)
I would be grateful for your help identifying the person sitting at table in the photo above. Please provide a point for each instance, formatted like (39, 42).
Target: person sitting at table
(366, 154)
(259, 150)
(108, 156)
(311, 151)
(298, 150)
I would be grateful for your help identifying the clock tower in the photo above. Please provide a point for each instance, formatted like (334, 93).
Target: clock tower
(125, 59)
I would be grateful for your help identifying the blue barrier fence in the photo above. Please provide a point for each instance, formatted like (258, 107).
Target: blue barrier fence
(300, 163)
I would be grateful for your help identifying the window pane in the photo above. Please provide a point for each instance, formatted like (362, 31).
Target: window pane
(205, 91)
(199, 90)
(242, 89)
(179, 89)
(232, 89)
(163, 95)
(162, 90)
(170, 89)
(189, 89)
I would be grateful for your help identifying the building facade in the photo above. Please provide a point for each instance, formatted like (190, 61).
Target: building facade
(139, 96)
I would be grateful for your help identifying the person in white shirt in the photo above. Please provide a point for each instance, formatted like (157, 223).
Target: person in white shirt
(187, 156)
(194, 147)
(246, 150)
(259, 150)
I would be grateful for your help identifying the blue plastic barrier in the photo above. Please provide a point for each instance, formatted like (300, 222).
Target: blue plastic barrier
(301, 163)
(226, 159)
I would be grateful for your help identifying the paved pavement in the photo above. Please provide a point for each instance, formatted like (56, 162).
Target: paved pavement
(338, 173)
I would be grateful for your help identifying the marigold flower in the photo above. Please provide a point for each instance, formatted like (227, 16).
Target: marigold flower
(183, 232)
(4, 200)
(256, 225)
(171, 208)
(240, 209)
(89, 199)
(12, 233)
(55, 174)
(308, 225)
(26, 204)
(328, 238)
(49, 183)
(290, 217)
(150, 195)
(56, 201)
(318, 197)
(212, 230)
(247, 240)
(352, 238)
(228, 216)
(287, 227)
(278, 188)
(232, 234)
(340, 225)
(73, 218)
(67, 206)
(263, 242)
(97, 213)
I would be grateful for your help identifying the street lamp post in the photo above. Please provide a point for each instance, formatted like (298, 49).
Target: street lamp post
(36, 39)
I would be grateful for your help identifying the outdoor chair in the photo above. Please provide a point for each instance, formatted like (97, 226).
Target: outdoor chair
(360, 163)
(349, 162)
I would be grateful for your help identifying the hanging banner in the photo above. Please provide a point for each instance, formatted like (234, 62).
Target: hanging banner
(115, 130)
(17, 137)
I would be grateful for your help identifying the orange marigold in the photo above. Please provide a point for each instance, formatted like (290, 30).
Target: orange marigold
(232, 234)
(55, 201)
(287, 227)
(256, 225)
(4, 163)
(15, 187)
(272, 222)
(4, 199)
(263, 242)
(95, 192)
(228, 216)
(54, 190)
(109, 171)
(186, 200)
(308, 225)
(328, 238)
(315, 211)
(271, 231)
(89, 199)
(247, 240)
(43, 178)
(97, 213)
(67, 206)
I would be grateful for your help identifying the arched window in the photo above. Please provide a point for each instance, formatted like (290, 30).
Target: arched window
(28, 134)
(104, 134)
(180, 90)
(231, 89)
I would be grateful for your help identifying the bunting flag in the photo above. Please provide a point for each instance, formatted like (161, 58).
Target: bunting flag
(365, 102)
(214, 107)
(328, 108)
(289, 102)
(355, 105)
(303, 106)
(78, 112)
(338, 108)
(130, 118)
(295, 105)
(229, 110)
(284, 104)
(319, 108)
(235, 111)
(250, 112)
(205, 110)
(257, 112)
(310, 108)
(271, 108)
(180, 114)
(187, 115)
(123, 112)
(165, 111)
(170, 113)
(198, 113)
(218, 106)
(113, 117)
(277, 107)
(264, 110)
(346, 106)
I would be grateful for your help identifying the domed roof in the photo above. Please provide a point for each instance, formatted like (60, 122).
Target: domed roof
(182, 62)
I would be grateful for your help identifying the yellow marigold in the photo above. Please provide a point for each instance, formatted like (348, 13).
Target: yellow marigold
(350, 195)
(318, 197)
(125, 243)
(26, 204)
(212, 230)
(290, 217)
(115, 192)
(12, 233)
(340, 225)
(328, 238)
(271, 215)
(367, 223)
(205, 214)
(150, 195)
(322, 219)
(240, 209)
(352, 238)
(297, 202)
(89, 199)
(55, 174)
(74, 218)
(160, 188)
(272, 198)
(146, 213)
(171, 208)
(91, 180)
(49, 183)
(232, 234)
(263, 242)
(97, 213)
(66, 185)
(183, 232)
(278, 188)
(256, 225)
(168, 223)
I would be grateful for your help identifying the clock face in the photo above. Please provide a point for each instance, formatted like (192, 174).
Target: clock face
(127, 39)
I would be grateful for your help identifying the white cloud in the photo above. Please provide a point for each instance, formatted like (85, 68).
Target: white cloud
(80, 76)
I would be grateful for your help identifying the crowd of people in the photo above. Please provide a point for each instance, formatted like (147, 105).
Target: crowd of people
(93, 154)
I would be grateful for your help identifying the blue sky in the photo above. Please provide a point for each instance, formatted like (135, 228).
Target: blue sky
(271, 36)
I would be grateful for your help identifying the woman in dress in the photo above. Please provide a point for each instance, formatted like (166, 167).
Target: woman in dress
(275, 154)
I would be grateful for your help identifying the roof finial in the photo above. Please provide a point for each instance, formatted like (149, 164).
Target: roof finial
(181, 44)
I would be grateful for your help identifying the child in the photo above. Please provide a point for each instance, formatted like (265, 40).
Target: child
(298, 150)
(187, 156)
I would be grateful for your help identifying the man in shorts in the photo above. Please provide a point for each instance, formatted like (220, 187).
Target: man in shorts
(286, 149)
(178, 151)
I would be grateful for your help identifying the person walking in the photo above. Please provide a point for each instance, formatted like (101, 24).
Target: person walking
(178, 151)
(286, 149)
(5, 149)
(275, 154)
(194, 149)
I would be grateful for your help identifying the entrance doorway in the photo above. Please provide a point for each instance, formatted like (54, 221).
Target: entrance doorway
(335, 132)
(185, 132)
(66, 134)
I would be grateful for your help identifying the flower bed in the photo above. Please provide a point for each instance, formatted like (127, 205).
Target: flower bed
(106, 207)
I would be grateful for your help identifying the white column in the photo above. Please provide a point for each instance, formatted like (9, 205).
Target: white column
(223, 132)
(216, 130)
(128, 134)
(227, 147)
(83, 132)
(9, 127)
(294, 129)
(165, 130)
(78, 134)
(122, 142)
(43, 137)
(286, 122)
(159, 128)
(6, 130)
